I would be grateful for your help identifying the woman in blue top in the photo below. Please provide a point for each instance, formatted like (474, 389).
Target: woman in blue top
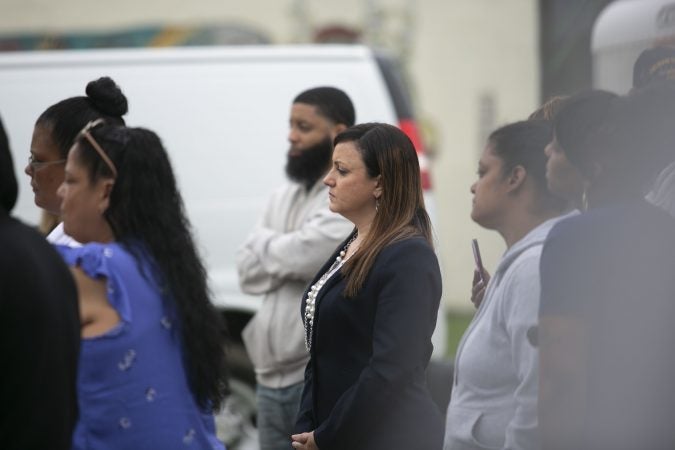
(151, 368)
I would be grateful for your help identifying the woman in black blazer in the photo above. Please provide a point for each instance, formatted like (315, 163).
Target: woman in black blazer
(371, 310)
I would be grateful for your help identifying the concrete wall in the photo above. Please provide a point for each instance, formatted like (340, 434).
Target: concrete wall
(473, 65)
(476, 67)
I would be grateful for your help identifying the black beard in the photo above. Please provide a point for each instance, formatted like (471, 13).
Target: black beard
(311, 164)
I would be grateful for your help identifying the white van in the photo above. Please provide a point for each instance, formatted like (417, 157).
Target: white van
(222, 113)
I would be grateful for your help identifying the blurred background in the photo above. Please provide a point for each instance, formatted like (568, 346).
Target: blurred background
(471, 66)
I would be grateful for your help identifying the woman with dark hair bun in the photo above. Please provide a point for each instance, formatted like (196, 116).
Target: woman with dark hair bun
(494, 392)
(371, 310)
(152, 369)
(53, 135)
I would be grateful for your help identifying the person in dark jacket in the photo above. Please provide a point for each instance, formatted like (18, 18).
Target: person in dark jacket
(371, 310)
(39, 332)
(608, 290)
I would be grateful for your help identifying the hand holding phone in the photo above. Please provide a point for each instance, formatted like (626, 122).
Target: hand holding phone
(480, 277)
(479, 261)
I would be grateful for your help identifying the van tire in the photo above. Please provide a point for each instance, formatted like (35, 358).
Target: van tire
(236, 421)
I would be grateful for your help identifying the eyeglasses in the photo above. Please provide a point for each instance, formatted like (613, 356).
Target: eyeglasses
(37, 165)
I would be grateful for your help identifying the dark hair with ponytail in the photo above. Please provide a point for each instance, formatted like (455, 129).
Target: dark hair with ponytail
(522, 144)
(65, 119)
(580, 121)
(8, 186)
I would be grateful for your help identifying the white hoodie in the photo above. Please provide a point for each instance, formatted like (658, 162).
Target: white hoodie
(293, 239)
(59, 237)
(494, 395)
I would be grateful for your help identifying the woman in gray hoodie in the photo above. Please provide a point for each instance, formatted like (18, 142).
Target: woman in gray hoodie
(494, 394)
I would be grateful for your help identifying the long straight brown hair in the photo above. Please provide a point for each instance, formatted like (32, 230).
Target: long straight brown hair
(386, 151)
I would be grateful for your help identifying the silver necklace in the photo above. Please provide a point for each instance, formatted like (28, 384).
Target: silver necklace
(310, 302)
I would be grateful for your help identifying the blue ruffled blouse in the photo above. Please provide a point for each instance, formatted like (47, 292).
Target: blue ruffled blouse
(132, 383)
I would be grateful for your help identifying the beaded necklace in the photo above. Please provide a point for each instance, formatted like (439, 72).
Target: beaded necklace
(310, 303)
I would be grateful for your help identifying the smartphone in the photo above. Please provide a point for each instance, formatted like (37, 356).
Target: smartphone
(478, 259)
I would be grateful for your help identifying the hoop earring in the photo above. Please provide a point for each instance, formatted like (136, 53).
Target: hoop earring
(377, 205)
(584, 199)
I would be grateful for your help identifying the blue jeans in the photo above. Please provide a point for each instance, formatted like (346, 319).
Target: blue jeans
(277, 411)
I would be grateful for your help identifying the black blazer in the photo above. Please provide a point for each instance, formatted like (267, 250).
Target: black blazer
(365, 384)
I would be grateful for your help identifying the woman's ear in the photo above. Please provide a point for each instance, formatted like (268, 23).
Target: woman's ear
(516, 178)
(105, 188)
(378, 187)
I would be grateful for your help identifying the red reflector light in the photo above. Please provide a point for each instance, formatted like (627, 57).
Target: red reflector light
(409, 127)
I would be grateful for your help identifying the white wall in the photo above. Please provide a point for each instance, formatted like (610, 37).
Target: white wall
(468, 51)
(473, 64)
(87, 15)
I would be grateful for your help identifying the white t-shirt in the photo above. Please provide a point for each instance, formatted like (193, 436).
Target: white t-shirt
(59, 237)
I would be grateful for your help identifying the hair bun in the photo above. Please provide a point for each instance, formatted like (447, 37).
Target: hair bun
(107, 97)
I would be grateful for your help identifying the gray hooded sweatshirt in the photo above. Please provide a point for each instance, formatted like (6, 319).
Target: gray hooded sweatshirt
(494, 394)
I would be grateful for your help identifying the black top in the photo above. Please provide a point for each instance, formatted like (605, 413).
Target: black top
(365, 383)
(609, 274)
(39, 342)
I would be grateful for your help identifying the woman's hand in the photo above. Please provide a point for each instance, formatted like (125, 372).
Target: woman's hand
(304, 441)
(478, 287)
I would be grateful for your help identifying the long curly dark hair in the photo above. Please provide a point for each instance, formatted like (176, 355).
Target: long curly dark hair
(146, 206)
